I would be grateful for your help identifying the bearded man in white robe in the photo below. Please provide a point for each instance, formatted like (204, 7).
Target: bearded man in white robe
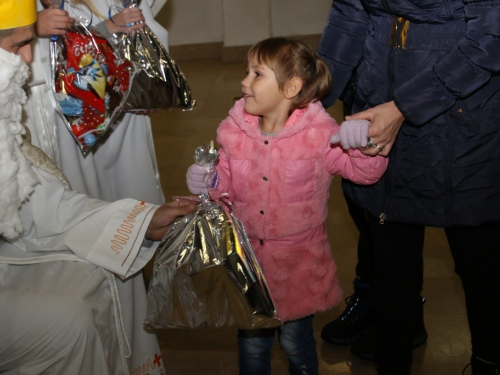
(70, 299)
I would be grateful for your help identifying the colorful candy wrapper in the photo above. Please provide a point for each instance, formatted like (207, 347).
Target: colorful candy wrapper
(158, 82)
(90, 83)
(205, 272)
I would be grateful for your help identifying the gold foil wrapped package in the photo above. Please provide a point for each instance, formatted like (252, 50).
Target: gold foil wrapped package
(158, 82)
(205, 275)
(205, 272)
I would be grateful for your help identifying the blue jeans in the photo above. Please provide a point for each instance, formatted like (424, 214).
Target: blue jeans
(296, 340)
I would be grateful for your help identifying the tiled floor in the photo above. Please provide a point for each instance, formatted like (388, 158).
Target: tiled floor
(211, 351)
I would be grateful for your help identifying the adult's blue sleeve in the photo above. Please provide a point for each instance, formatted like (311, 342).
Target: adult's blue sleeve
(341, 44)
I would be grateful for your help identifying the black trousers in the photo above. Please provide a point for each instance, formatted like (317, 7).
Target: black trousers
(397, 284)
(364, 267)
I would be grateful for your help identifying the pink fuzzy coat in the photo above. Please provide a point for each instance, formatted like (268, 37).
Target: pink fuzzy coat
(279, 186)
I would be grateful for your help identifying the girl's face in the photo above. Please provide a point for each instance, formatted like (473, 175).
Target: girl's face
(261, 92)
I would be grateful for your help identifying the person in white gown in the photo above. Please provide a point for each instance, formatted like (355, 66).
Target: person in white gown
(123, 163)
(69, 298)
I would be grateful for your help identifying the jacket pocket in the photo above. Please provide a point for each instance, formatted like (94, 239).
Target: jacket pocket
(486, 96)
(299, 181)
(239, 178)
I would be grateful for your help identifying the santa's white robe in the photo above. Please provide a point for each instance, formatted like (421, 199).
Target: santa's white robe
(40, 335)
(63, 310)
(123, 163)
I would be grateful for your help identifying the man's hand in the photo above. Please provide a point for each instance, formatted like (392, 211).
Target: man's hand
(165, 216)
(53, 22)
(386, 120)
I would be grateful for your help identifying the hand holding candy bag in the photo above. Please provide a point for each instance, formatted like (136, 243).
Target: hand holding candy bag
(205, 271)
(89, 82)
(158, 82)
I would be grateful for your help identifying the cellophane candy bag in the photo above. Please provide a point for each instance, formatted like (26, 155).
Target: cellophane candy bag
(205, 271)
(158, 81)
(90, 83)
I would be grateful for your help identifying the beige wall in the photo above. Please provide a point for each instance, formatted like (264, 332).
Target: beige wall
(241, 22)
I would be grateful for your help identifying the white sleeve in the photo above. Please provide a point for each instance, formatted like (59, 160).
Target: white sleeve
(109, 235)
(156, 6)
(158, 29)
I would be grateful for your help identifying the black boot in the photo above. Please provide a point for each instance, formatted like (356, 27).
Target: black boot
(482, 367)
(364, 347)
(355, 319)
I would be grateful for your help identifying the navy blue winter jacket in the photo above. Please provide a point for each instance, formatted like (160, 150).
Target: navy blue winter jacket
(440, 62)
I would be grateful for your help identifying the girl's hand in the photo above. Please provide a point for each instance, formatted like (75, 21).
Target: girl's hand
(352, 134)
(128, 16)
(199, 179)
(53, 22)
(386, 120)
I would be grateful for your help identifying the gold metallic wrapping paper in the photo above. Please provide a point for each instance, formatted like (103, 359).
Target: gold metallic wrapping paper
(205, 272)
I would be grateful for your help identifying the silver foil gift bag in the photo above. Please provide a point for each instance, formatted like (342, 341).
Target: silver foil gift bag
(206, 274)
(158, 82)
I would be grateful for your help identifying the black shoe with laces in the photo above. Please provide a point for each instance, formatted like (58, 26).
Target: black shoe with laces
(354, 321)
(482, 367)
(364, 347)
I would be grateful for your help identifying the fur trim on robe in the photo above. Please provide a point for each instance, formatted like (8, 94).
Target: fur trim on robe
(17, 178)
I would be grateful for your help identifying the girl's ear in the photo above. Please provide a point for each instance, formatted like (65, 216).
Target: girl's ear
(292, 87)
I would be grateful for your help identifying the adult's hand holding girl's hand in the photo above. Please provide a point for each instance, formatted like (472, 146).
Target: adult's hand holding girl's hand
(352, 134)
(165, 216)
(386, 120)
(53, 21)
(127, 20)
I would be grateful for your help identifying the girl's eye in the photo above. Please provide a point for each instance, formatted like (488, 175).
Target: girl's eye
(257, 74)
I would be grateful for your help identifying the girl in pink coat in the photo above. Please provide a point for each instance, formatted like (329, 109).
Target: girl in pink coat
(276, 164)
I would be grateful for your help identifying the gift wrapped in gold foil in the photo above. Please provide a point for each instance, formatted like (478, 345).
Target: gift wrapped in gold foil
(206, 274)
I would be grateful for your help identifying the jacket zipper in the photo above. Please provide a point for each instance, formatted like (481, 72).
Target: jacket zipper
(396, 42)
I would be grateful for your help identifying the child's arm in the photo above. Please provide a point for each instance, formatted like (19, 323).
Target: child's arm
(352, 163)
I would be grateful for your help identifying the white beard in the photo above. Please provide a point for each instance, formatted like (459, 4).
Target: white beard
(17, 177)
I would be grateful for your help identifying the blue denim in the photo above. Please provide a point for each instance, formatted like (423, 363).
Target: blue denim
(296, 340)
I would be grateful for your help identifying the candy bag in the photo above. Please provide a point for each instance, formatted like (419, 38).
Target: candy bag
(158, 82)
(205, 272)
(90, 83)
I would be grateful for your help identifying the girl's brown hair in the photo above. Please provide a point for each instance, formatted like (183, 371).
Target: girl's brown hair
(289, 58)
